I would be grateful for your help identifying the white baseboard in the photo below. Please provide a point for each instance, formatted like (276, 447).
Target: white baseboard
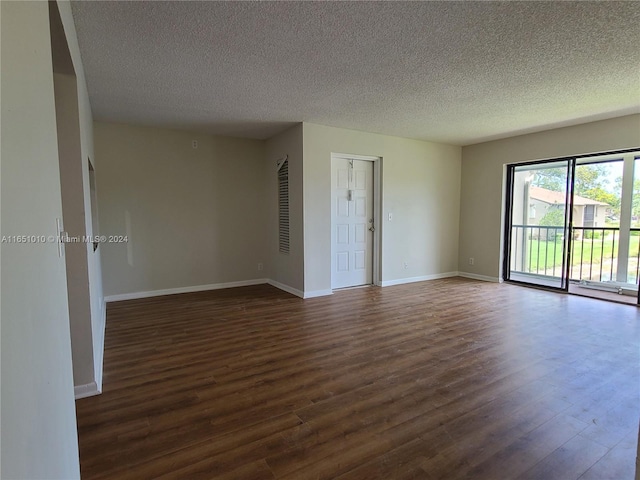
(100, 354)
(318, 293)
(423, 278)
(483, 278)
(217, 286)
(195, 288)
(281, 286)
(95, 387)
(286, 288)
(87, 390)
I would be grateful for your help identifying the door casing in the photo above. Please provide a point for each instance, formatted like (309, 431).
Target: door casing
(377, 209)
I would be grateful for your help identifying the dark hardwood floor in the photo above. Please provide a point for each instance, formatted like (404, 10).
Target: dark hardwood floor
(443, 379)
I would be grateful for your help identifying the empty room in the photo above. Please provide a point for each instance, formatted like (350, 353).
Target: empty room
(305, 240)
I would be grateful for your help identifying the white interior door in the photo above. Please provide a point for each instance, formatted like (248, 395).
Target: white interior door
(352, 222)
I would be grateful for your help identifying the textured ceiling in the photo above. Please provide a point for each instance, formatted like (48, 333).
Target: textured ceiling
(453, 72)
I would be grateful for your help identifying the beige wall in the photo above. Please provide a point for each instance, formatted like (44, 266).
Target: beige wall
(38, 430)
(483, 167)
(420, 187)
(73, 211)
(75, 142)
(287, 270)
(94, 262)
(216, 208)
(196, 216)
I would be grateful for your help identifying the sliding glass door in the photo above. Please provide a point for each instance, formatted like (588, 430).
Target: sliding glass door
(538, 223)
(601, 221)
(575, 222)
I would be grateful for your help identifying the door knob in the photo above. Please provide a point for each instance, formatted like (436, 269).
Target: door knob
(372, 228)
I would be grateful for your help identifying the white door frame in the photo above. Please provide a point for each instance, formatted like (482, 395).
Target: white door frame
(377, 211)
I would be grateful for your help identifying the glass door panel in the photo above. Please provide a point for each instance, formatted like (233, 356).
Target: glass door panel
(595, 235)
(604, 245)
(538, 228)
(633, 270)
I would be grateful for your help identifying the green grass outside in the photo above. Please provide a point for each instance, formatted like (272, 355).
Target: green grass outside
(590, 251)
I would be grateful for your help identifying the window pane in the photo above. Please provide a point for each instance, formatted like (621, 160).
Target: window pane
(596, 221)
(538, 233)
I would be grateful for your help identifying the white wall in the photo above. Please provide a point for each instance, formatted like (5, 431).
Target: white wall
(197, 216)
(286, 270)
(38, 411)
(421, 188)
(483, 167)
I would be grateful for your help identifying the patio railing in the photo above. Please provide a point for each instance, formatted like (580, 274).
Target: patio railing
(595, 255)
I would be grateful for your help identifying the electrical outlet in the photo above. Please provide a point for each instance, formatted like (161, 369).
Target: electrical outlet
(260, 267)
(390, 216)
(194, 143)
(472, 261)
(406, 265)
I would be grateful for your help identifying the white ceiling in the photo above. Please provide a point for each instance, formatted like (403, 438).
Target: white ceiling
(453, 72)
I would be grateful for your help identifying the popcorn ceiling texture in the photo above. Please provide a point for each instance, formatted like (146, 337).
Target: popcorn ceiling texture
(452, 72)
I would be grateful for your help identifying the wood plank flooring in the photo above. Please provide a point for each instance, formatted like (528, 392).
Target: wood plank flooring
(444, 379)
